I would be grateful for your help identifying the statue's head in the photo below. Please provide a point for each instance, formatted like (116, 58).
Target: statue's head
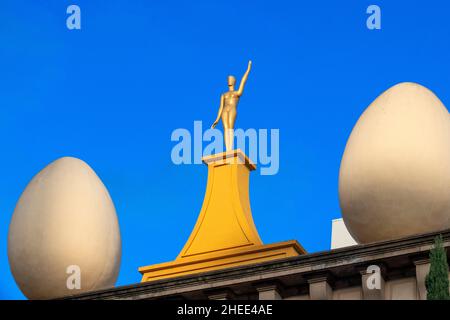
(231, 81)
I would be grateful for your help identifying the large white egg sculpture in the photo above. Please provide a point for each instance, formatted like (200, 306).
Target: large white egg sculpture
(394, 179)
(64, 236)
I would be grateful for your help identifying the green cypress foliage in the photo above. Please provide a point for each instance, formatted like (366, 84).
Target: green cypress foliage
(437, 279)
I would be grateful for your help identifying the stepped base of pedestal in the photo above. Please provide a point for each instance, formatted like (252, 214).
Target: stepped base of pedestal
(238, 257)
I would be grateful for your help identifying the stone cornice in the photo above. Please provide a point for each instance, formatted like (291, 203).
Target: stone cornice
(303, 266)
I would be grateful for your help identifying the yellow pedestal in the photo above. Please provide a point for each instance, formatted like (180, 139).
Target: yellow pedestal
(225, 234)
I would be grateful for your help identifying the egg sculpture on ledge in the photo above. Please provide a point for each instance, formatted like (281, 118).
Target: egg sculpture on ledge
(64, 236)
(394, 179)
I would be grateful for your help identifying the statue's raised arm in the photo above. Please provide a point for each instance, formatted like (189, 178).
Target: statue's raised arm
(244, 79)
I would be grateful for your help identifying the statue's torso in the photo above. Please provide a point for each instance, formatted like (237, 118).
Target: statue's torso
(231, 99)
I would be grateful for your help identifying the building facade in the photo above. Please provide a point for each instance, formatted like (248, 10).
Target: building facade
(348, 273)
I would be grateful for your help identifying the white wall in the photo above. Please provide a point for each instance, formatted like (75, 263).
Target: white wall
(340, 237)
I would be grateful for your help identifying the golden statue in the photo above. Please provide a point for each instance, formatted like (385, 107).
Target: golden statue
(225, 235)
(228, 105)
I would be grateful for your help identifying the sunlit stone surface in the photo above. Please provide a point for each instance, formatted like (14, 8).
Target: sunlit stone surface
(65, 217)
(394, 178)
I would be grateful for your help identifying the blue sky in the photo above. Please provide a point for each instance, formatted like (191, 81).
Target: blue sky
(113, 92)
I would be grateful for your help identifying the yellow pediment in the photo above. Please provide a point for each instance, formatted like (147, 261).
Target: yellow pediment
(225, 234)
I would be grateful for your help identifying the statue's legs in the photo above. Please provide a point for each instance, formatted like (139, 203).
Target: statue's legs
(228, 119)
(229, 139)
